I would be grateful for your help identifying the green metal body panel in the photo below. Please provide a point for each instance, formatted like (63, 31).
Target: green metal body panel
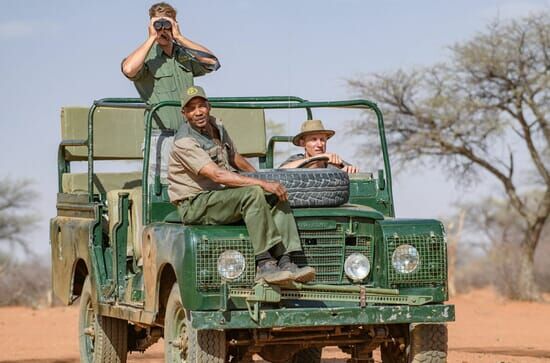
(304, 318)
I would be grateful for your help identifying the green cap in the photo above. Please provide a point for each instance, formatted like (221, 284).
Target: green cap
(192, 92)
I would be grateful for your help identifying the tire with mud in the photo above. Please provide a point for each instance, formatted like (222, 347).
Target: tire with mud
(101, 338)
(205, 346)
(183, 343)
(310, 187)
(175, 336)
(428, 343)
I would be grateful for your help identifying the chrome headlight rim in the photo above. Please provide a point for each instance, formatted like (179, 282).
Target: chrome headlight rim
(231, 264)
(357, 267)
(405, 259)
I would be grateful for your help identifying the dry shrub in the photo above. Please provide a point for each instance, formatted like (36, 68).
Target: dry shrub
(473, 276)
(25, 283)
(506, 270)
(499, 267)
(472, 269)
(542, 267)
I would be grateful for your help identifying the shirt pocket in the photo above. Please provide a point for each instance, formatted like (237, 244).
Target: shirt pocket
(165, 81)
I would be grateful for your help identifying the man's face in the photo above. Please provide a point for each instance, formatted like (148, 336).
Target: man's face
(197, 112)
(314, 144)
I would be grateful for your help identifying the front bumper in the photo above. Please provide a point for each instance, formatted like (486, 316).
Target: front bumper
(309, 317)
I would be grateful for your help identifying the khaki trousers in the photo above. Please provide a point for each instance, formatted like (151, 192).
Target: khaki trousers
(267, 225)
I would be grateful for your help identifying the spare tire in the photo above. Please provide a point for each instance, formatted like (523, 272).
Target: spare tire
(310, 187)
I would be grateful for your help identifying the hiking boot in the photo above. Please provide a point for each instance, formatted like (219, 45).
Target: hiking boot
(299, 274)
(272, 274)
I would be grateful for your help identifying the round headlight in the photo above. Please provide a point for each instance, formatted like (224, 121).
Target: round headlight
(405, 259)
(357, 266)
(231, 264)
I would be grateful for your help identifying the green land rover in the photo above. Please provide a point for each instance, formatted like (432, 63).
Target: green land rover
(119, 247)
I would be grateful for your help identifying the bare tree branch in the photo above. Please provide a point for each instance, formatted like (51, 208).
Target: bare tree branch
(493, 94)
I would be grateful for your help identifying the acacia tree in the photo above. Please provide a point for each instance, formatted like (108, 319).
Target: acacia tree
(477, 115)
(16, 216)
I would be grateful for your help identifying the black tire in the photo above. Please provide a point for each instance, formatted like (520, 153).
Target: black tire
(309, 355)
(101, 338)
(310, 187)
(175, 336)
(428, 343)
(205, 346)
(183, 343)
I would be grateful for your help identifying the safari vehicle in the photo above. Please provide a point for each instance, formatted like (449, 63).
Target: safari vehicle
(119, 246)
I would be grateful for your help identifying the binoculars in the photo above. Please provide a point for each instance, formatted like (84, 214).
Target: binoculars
(162, 23)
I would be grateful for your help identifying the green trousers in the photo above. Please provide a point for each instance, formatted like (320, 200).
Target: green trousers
(267, 225)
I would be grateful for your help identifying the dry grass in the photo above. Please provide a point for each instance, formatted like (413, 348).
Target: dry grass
(26, 283)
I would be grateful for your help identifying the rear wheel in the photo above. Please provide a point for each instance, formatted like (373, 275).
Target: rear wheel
(101, 338)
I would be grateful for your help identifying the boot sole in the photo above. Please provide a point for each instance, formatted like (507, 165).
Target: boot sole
(305, 276)
(276, 278)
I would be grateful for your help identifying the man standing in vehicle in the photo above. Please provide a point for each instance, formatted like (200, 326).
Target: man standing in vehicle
(313, 138)
(206, 191)
(165, 64)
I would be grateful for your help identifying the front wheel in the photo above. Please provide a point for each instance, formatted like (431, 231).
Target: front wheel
(428, 343)
(183, 343)
(175, 336)
(101, 338)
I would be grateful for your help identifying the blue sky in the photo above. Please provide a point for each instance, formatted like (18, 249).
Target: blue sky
(56, 53)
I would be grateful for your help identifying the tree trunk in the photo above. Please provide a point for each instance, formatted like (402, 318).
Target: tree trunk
(527, 287)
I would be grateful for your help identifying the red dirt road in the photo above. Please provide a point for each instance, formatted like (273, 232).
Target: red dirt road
(488, 329)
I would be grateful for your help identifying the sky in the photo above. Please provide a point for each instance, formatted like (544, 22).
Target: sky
(68, 53)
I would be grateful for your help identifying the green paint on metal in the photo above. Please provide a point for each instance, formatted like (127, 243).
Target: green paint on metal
(311, 317)
(120, 238)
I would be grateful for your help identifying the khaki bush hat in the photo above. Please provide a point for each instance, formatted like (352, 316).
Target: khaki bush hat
(311, 127)
(192, 92)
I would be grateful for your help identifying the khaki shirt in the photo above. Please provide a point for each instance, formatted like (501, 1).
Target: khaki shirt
(193, 150)
(164, 78)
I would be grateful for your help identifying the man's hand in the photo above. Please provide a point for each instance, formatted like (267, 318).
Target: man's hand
(276, 188)
(176, 33)
(151, 29)
(350, 169)
(333, 159)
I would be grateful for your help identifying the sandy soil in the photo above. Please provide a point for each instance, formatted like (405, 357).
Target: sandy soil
(488, 329)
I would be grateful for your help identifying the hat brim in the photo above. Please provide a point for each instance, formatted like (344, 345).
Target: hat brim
(192, 98)
(296, 139)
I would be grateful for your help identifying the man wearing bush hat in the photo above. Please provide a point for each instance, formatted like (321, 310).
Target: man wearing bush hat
(206, 191)
(313, 138)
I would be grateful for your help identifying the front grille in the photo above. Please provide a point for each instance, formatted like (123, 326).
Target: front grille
(208, 251)
(432, 268)
(325, 250)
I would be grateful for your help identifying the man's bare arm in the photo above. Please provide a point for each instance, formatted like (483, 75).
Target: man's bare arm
(230, 179)
(334, 159)
(188, 43)
(240, 163)
(132, 64)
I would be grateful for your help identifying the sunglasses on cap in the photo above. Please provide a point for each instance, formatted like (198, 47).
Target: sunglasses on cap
(162, 24)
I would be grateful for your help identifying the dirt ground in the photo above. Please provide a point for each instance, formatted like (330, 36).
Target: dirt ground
(488, 329)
